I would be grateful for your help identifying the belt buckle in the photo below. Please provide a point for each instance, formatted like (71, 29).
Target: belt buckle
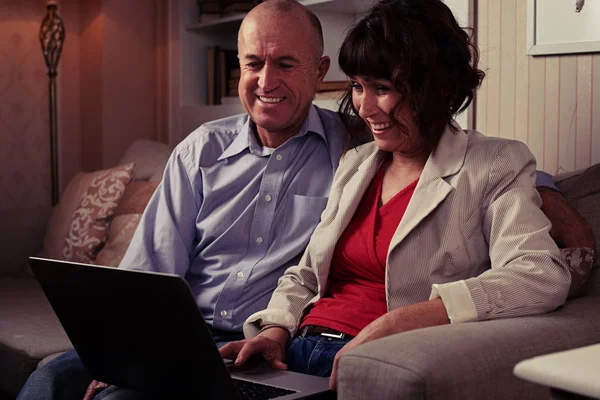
(333, 335)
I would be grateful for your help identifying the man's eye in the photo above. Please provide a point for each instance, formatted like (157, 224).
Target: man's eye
(285, 66)
(253, 65)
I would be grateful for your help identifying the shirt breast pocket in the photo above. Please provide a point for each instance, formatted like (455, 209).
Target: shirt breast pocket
(302, 215)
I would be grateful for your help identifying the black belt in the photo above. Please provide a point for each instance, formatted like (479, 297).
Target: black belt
(321, 330)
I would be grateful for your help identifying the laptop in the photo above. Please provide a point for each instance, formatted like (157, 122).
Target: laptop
(143, 331)
(576, 371)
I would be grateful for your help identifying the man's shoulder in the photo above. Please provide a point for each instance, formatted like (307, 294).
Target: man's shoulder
(332, 123)
(218, 133)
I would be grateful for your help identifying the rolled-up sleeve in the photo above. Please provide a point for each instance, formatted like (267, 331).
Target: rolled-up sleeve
(527, 275)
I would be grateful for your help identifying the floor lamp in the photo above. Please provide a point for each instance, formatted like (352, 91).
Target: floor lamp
(52, 38)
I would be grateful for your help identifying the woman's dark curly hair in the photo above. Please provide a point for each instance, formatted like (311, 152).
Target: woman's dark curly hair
(421, 49)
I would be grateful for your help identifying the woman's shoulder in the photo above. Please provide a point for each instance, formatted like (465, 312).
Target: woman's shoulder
(358, 154)
(480, 145)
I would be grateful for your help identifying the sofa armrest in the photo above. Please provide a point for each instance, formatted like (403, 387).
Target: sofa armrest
(21, 236)
(466, 361)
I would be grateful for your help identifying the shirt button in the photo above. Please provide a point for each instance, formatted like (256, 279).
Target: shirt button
(223, 313)
(259, 240)
(279, 157)
(240, 274)
(268, 198)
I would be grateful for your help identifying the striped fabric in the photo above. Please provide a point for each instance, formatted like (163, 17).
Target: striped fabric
(473, 234)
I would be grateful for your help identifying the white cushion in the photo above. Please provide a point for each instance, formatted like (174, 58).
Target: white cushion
(150, 158)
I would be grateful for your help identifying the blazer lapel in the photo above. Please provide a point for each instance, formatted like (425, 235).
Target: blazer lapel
(432, 189)
(354, 191)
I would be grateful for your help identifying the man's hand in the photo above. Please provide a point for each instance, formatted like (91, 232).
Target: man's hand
(569, 228)
(270, 344)
(420, 315)
(93, 389)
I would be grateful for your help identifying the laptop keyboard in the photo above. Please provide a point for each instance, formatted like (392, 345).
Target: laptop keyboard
(256, 391)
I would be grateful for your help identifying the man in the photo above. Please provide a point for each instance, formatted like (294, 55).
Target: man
(240, 196)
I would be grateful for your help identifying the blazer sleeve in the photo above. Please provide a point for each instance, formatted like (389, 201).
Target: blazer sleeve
(527, 274)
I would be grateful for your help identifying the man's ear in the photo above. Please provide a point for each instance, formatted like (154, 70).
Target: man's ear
(323, 66)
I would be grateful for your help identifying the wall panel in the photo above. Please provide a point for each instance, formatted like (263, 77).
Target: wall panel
(553, 102)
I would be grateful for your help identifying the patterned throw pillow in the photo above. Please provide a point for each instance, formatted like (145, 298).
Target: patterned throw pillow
(125, 220)
(90, 221)
(579, 260)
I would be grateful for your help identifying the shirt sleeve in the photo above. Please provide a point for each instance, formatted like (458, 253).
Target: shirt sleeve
(166, 234)
(527, 274)
(544, 179)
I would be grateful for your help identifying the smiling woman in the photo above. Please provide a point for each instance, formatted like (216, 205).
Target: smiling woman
(426, 225)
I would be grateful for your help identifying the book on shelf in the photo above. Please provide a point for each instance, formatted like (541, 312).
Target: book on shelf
(238, 6)
(222, 74)
(221, 8)
(211, 57)
(209, 6)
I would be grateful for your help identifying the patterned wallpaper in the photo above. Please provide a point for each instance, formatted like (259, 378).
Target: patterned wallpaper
(24, 135)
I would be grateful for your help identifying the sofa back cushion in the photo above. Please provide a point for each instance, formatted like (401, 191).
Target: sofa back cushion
(582, 191)
(125, 220)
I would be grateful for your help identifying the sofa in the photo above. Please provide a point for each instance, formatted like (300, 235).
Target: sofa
(108, 204)
(467, 361)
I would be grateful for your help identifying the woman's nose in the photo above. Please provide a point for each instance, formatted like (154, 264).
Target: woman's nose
(367, 105)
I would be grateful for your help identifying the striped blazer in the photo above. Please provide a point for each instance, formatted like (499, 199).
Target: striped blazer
(473, 234)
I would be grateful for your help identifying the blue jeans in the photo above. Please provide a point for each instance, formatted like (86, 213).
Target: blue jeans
(313, 354)
(66, 378)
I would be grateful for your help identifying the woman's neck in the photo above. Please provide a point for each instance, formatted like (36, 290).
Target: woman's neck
(403, 165)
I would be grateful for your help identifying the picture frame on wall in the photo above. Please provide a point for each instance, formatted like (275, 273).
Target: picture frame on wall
(563, 27)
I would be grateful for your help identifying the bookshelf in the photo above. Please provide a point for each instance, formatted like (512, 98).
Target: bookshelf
(189, 39)
(186, 49)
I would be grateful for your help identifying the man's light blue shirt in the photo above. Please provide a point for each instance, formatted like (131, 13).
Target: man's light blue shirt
(230, 215)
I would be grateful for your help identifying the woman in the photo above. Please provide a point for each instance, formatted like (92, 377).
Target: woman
(426, 225)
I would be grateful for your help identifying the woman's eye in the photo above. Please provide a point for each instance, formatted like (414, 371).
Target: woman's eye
(355, 86)
(382, 89)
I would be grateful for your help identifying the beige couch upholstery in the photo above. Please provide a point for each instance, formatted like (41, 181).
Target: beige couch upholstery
(466, 361)
(475, 360)
(29, 329)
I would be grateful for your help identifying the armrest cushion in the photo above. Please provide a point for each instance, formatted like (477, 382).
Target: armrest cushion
(466, 361)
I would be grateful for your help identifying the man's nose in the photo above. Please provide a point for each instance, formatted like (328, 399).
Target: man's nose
(268, 78)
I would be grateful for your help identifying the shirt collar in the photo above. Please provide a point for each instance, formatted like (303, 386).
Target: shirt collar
(246, 138)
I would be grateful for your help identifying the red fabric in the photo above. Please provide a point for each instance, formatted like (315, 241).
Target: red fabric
(356, 293)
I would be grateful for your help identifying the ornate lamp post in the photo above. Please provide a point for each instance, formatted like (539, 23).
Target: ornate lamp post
(52, 38)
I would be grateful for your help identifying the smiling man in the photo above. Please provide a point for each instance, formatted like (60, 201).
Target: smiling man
(240, 196)
(281, 64)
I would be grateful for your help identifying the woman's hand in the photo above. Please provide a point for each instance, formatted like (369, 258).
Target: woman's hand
(420, 315)
(270, 344)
